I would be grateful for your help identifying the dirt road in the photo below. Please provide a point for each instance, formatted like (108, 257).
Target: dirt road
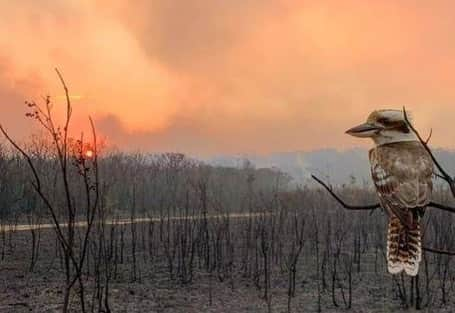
(24, 227)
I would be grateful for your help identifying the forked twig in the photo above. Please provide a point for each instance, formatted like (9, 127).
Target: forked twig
(444, 175)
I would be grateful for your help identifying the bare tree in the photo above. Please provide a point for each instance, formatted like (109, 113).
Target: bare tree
(85, 165)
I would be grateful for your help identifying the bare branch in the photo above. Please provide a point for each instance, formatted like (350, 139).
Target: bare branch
(344, 204)
(429, 136)
(68, 101)
(375, 206)
(441, 207)
(438, 251)
(25, 155)
(438, 175)
(69, 111)
(37, 184)
(444, 174)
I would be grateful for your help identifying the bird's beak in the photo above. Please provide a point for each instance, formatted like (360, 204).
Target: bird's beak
(364, 130)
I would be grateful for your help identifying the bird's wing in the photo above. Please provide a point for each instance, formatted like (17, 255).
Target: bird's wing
(402, 176)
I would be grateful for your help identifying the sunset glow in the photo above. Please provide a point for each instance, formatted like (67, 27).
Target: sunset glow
(211, 77)
(89, 154)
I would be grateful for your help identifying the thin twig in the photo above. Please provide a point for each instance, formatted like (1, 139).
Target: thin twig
(344, 204)
(438, 251)
(429, 136)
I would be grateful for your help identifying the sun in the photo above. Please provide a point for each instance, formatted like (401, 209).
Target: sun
(89, 153)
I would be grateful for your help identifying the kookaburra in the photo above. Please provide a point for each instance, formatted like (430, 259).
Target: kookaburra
(402, 172)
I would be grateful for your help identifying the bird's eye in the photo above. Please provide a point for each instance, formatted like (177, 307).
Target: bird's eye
(384, 121)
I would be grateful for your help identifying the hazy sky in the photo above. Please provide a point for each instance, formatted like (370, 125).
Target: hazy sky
(230, 76)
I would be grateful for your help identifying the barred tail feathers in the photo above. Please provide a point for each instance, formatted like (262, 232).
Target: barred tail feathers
(404, 251)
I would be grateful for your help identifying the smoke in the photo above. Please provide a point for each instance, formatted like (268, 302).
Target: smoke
(218, 76)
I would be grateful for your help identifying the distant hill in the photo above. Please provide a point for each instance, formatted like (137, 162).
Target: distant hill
(340, 167)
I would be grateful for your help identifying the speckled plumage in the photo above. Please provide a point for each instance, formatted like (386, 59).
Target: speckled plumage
(402, 173)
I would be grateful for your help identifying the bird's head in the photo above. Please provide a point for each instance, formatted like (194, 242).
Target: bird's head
(384, 126)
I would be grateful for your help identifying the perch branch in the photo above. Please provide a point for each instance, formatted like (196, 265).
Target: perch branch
(377, 205)
(441, 207)
(344, 204)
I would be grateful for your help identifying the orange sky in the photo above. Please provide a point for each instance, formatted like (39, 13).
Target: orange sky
(239, 76)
